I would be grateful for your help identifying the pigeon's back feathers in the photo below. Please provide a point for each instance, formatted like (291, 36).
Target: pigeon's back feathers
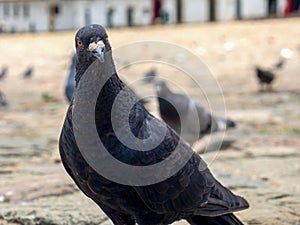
(187, 114)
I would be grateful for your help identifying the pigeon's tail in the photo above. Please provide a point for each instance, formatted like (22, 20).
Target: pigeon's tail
(222, 123)
(228, 219)
(230, 123)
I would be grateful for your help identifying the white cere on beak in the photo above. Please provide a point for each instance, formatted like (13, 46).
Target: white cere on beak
(95, 45)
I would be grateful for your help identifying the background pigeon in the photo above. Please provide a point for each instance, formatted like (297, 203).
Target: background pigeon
(265, 78)
(3, 101)
(172, 105)
(70, 86)
(28, 72)
(3, 72)
(150, 75)
(279, 64)
(191, 193)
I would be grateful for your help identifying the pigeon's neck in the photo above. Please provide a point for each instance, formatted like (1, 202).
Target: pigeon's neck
(89, 64)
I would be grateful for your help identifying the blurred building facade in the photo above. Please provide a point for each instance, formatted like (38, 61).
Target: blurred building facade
(56, 15)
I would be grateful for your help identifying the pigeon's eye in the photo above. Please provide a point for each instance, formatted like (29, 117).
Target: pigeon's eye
(106, 37)
(79, 43)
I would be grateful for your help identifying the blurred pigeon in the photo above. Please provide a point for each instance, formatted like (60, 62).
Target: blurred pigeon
(70, 86)
(28, 72)
(3, 101)
(265, 78)
(150, 75)
(191, 193)
(3, 72)
(279, 64)
(182, 112)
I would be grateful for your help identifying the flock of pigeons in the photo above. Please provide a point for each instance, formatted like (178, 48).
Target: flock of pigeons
(190, 193)
(4, 71)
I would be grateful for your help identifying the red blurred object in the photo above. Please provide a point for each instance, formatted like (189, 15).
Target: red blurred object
(156, 9)
(292, 6)
(289, 7)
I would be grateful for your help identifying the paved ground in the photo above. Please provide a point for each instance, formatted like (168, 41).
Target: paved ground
(261, 164)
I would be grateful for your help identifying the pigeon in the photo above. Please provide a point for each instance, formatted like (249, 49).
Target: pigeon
(178, 109)
(3, 101)
(279, 64)
(70, 86)
(265, 78)
(28, 72)
(3, 72)
(191, 192)
(149, 75)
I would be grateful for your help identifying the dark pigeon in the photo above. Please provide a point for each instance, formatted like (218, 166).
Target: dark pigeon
(190, 193)
(3, 101)
(181, 112)
(3, 72)
(28, 72)
(149, 75)
(279, 64)
(70, 86)
(265, 78)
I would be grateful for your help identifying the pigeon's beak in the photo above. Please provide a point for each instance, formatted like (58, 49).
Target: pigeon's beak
(98, 49)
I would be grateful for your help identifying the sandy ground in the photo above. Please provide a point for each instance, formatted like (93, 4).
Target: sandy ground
(262, 164)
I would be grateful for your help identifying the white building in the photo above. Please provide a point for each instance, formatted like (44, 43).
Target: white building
(48, 15)
(45, 15)
(254, 9)
(189, 11)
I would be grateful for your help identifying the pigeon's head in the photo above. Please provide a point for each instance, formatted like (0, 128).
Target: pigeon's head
(91, 42)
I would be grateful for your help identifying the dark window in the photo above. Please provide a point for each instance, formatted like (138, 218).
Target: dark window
(6, 10)
(16, 10)
(296, 5)
(26, 10)
(56, 9)
(130, 12)
(179, 11)
(272, 8)
(212, 10)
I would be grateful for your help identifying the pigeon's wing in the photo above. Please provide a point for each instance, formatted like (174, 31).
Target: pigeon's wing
(191, 189)
(180, 102)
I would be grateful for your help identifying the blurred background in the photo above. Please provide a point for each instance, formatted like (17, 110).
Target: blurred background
(252, 49)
